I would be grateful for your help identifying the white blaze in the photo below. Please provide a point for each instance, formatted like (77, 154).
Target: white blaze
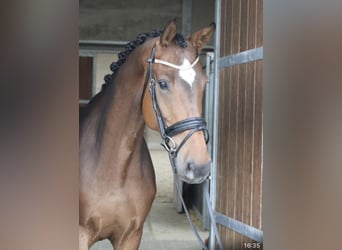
(187, 75)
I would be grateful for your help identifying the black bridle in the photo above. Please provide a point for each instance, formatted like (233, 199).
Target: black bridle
(193, 124)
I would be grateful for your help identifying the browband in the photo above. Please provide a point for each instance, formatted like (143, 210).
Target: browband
(179, 67)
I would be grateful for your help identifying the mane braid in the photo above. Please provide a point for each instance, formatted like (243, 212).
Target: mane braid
(180, 40)
(122, 56)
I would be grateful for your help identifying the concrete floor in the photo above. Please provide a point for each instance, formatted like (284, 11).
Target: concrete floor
(164, 228)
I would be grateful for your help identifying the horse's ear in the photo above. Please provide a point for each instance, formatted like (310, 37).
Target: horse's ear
(200, 38)
(168, 34)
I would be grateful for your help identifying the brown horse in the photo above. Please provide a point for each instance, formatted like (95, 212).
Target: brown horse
(117, 180)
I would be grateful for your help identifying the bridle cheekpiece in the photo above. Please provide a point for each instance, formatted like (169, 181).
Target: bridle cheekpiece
(193, 124)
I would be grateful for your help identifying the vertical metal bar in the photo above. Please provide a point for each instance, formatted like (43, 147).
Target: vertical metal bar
(215, 115)
(209, 97)
(209, 103)
(95, 61)
(186, 16)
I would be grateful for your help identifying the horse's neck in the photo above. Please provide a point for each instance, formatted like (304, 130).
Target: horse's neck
(122, 120)
(119, 128)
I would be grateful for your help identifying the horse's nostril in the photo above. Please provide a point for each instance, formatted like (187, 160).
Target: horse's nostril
(195, 173)
(190, 166)
(198, 170)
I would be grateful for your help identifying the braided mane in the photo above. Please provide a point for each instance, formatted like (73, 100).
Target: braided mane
(130, 46)
(122, 56)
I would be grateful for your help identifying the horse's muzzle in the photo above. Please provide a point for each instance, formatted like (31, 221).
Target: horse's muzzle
(194, 173)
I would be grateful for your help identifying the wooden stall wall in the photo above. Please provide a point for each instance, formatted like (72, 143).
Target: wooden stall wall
(239, 170)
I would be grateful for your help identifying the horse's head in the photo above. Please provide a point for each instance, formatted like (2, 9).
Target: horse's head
(176, 97)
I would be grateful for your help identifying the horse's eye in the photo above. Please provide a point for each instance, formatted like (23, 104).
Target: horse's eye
(163, 84)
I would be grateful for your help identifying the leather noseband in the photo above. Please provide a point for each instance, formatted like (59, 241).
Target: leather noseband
(192, 124)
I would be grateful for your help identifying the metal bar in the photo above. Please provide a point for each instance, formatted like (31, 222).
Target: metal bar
(100, 45)
(209, 97)
(102, 42)
(241, 228)
(209, 103)
(83, 101)
(215, 118)
(186, 16)
(242, 57)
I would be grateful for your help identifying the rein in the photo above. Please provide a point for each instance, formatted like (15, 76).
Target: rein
(193, 125)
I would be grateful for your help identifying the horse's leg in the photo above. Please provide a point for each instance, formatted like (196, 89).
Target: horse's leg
(83, 238)
(130, 237)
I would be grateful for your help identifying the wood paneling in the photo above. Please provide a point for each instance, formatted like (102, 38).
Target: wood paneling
(239, 173)
(85, 77)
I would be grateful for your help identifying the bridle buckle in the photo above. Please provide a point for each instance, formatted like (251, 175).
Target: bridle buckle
(169, 144)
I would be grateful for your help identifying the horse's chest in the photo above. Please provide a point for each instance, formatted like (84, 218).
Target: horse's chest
(118, 207)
